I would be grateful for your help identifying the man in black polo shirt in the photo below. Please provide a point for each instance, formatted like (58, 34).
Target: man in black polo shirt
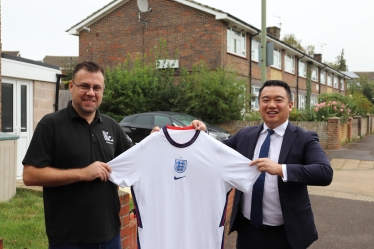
(67, 156)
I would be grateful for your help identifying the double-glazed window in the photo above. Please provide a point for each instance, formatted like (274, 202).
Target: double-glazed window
(301, 101)
(277, 59)
(302, 69)
(255, 50)
(341, 84)
(336, 84)
(236, 42)
(289, 63)
(254, 102)
(323, 77)
(329, 79)
(315, 74)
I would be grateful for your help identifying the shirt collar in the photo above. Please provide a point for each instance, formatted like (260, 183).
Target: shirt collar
(280, 130)
(73, 113)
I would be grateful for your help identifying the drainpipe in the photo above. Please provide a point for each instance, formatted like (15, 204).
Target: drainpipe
(59, 76)
(297, 81)
(250, 65)
(319, 80)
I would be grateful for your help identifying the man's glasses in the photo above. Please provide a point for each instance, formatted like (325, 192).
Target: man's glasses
(86, 87)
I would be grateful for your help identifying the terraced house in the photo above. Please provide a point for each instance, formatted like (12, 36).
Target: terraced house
(201, 32)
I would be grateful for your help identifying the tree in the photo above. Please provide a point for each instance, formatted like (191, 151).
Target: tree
(340, 63)
(291, 40)
(310, 50)
(215, 95)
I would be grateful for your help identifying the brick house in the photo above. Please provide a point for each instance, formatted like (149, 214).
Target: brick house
(201, 32)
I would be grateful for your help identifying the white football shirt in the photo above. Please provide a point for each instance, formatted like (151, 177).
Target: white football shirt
(180, 179)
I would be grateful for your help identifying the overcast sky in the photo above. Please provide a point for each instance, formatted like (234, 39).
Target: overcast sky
(37, 28)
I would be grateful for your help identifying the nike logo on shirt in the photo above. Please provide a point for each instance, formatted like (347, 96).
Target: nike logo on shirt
(176, 178)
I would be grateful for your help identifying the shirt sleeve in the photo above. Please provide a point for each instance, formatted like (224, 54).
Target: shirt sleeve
(235, 169)
(126, 168)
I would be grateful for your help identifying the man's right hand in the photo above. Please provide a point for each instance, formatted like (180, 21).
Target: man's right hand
(96, 170)
(155, 129)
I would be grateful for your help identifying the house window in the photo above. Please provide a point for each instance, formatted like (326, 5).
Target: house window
(293, 97)
(277, 59)
(313, 101)
(329, 79)
(302, 71)
(290, 64)
(255, 48)
(301, 100)
(236, 42)
(315, 74)
(341, 84)
(336, 82)
(323, 77)
(254, 101)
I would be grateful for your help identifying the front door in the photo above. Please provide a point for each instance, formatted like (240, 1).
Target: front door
(16, 102)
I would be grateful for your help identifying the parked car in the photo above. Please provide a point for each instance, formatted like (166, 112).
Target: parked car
(140, 125)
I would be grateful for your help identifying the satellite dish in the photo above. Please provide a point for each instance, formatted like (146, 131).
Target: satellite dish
(143, 6)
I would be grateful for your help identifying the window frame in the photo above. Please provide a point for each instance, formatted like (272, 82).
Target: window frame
(277, 62)
(301, 101)
(254, 103)
(231, 35)
(322, 79)
(315, 74)
(304, 69)
(342, 84)
(329, 79)
(289, 62)
(336, 82)
(255, 50)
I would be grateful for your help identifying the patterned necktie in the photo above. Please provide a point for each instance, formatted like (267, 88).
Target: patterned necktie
(258, 186)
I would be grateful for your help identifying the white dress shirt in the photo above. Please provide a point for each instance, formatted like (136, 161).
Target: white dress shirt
(272, 212)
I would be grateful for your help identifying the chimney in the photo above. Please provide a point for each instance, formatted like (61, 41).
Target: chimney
(274, 31)
(318, 57)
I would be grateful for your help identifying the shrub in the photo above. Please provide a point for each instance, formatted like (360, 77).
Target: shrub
(252, 116)
(329, 109)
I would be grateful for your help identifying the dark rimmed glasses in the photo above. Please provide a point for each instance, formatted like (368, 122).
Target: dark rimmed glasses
(98, 89)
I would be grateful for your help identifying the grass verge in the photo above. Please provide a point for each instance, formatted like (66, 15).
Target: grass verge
(22, 221)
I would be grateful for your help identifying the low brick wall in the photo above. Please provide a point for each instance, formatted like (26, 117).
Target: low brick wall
(128, 237)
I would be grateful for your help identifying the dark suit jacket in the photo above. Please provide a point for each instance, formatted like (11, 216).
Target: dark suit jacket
(307, 164)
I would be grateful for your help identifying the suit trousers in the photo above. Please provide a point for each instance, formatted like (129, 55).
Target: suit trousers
(265, 237)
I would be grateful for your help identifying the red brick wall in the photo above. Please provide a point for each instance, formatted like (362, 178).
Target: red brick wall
(196, 34)
(126, 238)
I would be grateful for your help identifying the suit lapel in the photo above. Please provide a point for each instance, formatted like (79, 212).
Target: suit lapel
(252, 138)
(288, 140)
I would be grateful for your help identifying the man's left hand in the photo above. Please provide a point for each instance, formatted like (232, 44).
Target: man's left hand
(267, 165)
(198, 125)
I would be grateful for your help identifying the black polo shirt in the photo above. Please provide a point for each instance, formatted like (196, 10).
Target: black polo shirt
(82, 212)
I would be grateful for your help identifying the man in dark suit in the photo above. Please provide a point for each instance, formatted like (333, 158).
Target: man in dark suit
(295, 160)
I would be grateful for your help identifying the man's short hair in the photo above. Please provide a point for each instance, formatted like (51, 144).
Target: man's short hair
(88, 66)
(277, 83)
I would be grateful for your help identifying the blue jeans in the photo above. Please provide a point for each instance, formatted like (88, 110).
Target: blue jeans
(114, 243)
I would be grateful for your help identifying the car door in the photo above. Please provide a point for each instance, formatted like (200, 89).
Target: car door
(141, 127)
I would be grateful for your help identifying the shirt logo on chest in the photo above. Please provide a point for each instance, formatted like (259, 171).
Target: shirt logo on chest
(108, 139)
(180, 165)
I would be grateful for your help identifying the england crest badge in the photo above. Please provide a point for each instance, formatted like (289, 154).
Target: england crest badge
(180, 165)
